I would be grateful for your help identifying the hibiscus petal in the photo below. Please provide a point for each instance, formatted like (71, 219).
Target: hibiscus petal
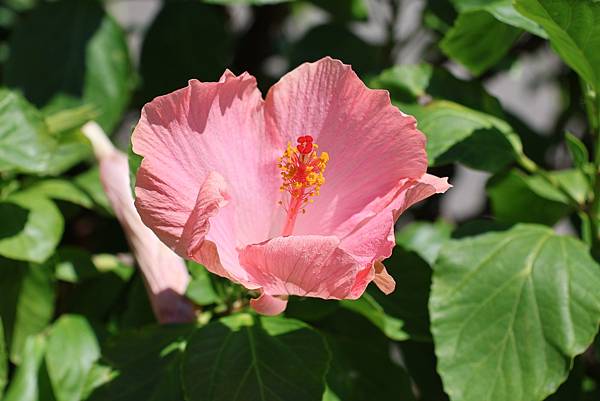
(184, 137)
(310, 265)
(372, 145)
(269, 305)
(383, 280)
(371, 240)
(212, 196)
(164, 273)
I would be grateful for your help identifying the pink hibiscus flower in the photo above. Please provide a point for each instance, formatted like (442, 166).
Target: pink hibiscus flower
(239, 184)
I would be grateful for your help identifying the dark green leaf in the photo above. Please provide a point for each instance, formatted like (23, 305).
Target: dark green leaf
(27, 302)
(31, 227)
(71, 351)
(361, 366)
(24, 386)
(337, 41)
(3, 360)
(510, 310)
(516, 197)
(574, 32)
(193, 37)
(249, 358)
(249, 2)
(344, 10)
(449, 124)
(408, 303)
(96, 294)
(145, 363)
(419, 359)
(26, 145)
(74, 265)
(478, 40)
(69, 53)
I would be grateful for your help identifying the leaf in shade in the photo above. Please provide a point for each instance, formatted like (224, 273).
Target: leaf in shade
(3, 360)
(516, 197)
(243, 357)
(510, 311)
(195, 40)
(447, 124)
(145, 365)
(362, 366)
(577, 150)
(68, 53)
(337, 41)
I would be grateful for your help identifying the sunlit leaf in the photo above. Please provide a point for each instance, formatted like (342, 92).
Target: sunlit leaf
(510, 310)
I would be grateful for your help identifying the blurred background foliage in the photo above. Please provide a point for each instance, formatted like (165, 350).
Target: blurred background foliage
(506, 94)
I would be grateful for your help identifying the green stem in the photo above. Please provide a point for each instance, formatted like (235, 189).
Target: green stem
(593, 112)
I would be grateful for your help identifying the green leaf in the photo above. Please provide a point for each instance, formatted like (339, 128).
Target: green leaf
(447, 124)
(420, 362)
(249, 2)
(32, 227)
(194, 38)
(69, 53)
(26, 145)
(336, 40)
(244, 357)
(71, 351)
(90, 182)
(516, 197)
(424, 238)
(61, 190)
(73, 147)
(96, 293)
(368, 307)
(344, 10)
(134, 161)
(406, 83)
(510, 310)
(24, 386)
(478, 41)
(361, 366)
(577, 150)
(3, 360)
(200, 289)
(27, 302)
(574, 32)
(145, 363)
(74, 265)
(502, 10)
(408, 303)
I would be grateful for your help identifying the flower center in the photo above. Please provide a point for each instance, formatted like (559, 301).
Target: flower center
(302, 174)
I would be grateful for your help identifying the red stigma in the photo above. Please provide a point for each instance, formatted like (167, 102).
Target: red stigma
(305, 145)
